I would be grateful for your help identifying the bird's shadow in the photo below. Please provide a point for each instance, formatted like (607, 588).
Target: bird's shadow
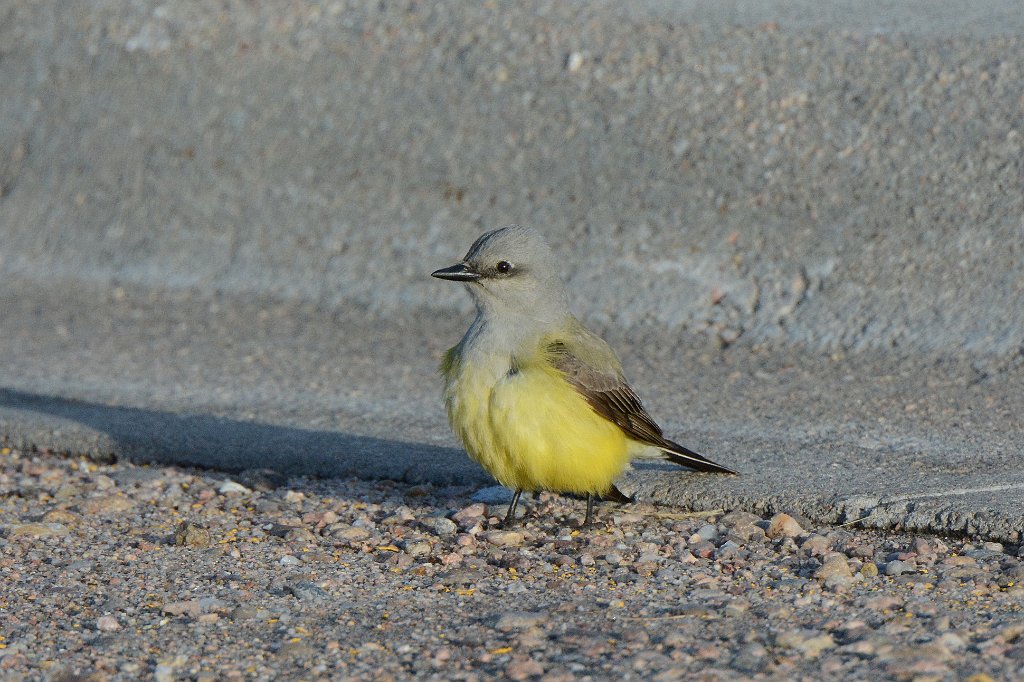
(143, 435)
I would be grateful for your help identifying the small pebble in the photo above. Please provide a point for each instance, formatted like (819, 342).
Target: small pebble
(300, 536)
(343, 531)
(264, 480)
(518, 620)
(750, 659)
(192, 535)
(706, 533)
(838, 582)
(306, 590)
(503, 538)
(493, 495)
(523, 669)
(920, 547)
(739, 518)
(816, 545)
(232, 488)
(445, 527)
(835, 565)
(189, 607)
(38, 530)
(107, 624)
(727, 549)
(574, 62)
(106, 504)
(164, 672)
(470, 515)
(420, 548)
(897, 567)
(813, 646)
(783, 525)
(400, 516)
(62, 516)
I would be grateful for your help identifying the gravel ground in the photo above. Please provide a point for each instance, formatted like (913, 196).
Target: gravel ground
(135, 572)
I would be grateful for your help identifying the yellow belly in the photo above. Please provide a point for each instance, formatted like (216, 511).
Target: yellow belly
(531, 430)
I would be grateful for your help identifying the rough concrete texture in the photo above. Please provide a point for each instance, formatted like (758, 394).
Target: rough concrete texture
(237, 384)
(803, 230)
(807, 183)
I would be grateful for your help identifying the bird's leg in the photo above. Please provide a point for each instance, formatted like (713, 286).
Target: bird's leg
(589, 519)
(510, 517)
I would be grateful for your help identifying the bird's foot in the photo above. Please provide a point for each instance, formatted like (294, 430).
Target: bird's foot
(510, 517)
(507, 523)
(588, 520)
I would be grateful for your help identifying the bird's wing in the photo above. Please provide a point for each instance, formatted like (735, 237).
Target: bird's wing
(591, 366)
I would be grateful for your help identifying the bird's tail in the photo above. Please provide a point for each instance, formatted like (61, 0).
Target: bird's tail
(613, 494)
(684, 456)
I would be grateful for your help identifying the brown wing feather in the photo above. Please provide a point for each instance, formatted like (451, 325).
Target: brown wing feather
(611, 397)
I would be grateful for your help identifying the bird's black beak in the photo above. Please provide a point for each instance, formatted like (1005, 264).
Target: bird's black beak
(460, 272)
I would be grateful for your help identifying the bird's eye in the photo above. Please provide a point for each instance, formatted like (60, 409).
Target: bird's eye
(504, 266)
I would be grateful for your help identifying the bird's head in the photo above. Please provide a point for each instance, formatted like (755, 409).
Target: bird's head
(512, 271)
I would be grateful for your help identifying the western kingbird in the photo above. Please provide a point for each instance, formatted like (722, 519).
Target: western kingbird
(538, 399)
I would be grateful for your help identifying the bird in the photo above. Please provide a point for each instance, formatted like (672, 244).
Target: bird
(536, 398)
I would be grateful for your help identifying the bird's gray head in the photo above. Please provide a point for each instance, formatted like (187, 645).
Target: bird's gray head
(512, 271)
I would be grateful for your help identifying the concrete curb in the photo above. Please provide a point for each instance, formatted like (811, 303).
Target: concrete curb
(848, 182)
(216, 234)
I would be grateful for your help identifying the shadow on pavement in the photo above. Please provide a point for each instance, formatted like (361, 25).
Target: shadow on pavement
(106, 431)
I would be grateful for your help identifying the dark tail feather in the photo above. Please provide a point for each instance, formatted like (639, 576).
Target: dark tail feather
(613, 494)
(684, 456)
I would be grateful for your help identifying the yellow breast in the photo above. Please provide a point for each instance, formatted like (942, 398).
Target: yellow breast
(531, 430)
